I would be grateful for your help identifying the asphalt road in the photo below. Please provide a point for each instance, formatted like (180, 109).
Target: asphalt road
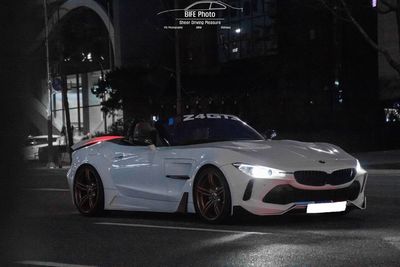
(48, 231)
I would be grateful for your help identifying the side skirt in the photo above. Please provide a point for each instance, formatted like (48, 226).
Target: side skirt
(182, 207)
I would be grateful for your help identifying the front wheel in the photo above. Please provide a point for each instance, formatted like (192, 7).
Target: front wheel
(212, 197)
(88, 191)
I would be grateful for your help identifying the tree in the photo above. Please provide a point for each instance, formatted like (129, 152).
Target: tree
(342, 10)
(131, 89)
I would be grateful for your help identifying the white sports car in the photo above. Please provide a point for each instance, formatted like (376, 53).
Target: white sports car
(212, 165)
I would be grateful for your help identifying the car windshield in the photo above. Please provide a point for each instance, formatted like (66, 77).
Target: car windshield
(205, 128)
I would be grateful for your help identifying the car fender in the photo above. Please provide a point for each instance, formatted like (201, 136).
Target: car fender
(95, 157)
(189, 185)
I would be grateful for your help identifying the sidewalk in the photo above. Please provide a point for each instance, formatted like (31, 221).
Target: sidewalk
(40, 165)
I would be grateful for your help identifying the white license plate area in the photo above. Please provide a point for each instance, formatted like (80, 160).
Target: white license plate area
(326, 207)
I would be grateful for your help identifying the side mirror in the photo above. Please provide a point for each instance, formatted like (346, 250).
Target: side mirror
(269, 134)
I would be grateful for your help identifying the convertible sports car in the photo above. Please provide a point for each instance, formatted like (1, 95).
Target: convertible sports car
(212, 165)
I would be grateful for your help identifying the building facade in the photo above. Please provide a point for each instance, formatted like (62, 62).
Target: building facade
(281, 57)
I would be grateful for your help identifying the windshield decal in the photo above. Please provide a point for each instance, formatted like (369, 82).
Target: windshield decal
(190, 117)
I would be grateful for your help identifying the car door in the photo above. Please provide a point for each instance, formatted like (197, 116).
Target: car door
(155, 176)
(137, 173)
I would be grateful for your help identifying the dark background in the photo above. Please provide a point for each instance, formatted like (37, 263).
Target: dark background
(15, 28)
(289, 86)
(358, 126)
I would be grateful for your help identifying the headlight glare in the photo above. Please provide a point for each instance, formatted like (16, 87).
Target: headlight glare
(259, 171)
(359, 169)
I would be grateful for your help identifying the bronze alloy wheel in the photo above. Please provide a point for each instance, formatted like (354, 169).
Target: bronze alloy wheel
(88, 191)
(212, 195)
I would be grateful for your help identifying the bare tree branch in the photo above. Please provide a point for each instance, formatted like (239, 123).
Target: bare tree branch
(334, 11)
(394, 63)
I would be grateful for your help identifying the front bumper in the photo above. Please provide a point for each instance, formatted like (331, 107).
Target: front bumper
(282, 195)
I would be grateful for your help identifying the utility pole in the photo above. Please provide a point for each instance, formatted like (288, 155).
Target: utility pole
(78, 103)
(104, 99)
(178, 71)
(50, 160)
(337, 95)
(110, 61)
(68, 130)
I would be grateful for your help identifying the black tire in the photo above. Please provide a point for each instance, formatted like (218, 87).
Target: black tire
(88, 191)
(211, 196)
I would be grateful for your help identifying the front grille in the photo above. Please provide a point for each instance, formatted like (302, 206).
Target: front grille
(320, 178)
(285, 194)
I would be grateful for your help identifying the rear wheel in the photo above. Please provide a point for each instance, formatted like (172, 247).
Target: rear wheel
(88, 191)
(212, 197)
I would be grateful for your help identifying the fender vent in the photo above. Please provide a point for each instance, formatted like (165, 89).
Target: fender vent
(248, 191)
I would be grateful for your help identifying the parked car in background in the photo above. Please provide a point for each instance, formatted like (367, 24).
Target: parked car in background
(33, 143)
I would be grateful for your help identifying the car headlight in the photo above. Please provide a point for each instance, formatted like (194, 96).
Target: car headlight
(259, 171)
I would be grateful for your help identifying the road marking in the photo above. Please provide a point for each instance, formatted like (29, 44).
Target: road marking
(47, 189)
(49, 263)
(182, 228)
(225, 239)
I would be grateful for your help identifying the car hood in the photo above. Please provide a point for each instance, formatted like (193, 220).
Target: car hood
(288, 155)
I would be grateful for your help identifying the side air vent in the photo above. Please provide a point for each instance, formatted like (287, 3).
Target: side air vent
(248, 191)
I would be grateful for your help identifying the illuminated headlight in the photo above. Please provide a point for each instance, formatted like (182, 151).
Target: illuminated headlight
(259, 171)
(359, 169)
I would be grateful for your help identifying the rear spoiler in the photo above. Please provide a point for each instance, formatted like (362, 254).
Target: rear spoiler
(88, 142)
